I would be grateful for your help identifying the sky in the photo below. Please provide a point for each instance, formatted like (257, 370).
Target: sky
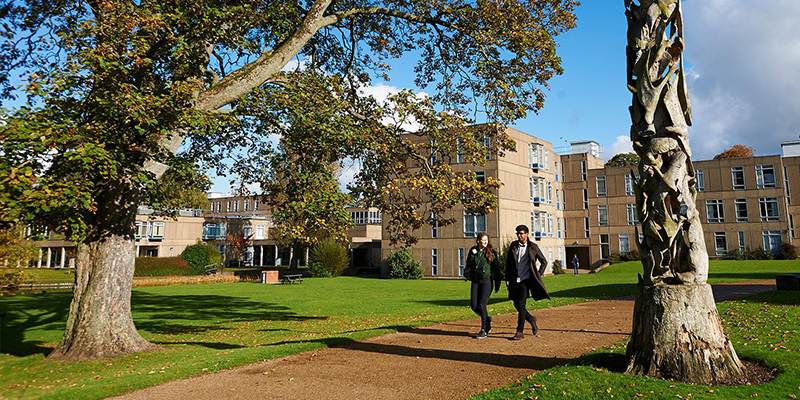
(743, 69)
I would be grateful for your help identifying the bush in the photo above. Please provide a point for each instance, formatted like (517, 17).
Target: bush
(759, 254)
(557, 269)
(328, 258)
(200, 254)
(162, 266)
(632, 255)
(788, 252)
(13, 276)
(403, 266)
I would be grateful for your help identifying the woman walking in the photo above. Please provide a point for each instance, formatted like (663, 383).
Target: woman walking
(482, 269)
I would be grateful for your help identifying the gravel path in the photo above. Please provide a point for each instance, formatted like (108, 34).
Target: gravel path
(435, 362)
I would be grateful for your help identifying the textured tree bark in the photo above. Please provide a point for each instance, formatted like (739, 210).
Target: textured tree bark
(676, 328)
(99, 324)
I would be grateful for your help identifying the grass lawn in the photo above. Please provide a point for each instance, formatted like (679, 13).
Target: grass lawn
(49, 275)
(763, 328)
(205, 328)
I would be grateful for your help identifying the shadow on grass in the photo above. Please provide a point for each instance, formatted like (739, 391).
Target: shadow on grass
(781, 297)
(462, 302)
(598, 292)
(744, 276)
(157, 314)
(217, 346)
(613, 362)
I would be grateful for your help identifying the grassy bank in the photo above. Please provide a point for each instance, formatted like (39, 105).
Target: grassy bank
(204, 328)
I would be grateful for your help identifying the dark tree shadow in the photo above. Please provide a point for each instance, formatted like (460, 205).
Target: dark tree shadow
(598, 292)
(217, 346)
(613, 362)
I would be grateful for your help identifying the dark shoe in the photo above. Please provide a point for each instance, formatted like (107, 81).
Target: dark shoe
(534, 328)
(488, 325)
(518, 336)
(481, 335)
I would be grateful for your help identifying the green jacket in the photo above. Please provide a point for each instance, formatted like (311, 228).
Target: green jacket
(479, 268)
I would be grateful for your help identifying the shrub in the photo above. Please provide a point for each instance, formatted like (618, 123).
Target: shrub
(759, 254)
(200, 254)
(403, 266)
(788, 252)
(13, 276)
(328, 258)
(632, 255)
(557, 269)
(162, 266)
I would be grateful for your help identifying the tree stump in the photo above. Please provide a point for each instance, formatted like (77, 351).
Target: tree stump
(677, 335)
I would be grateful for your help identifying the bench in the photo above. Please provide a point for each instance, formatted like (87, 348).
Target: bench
(211, 268)
(291, 279)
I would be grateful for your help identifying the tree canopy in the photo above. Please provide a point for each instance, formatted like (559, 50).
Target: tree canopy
(623, 160)
(736, 151)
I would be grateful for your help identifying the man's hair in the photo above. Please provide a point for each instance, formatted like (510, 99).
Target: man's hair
(522, 228)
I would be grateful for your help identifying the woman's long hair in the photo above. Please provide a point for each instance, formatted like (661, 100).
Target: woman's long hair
(487, 251)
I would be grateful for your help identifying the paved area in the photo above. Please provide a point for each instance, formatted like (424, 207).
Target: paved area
(434, 362)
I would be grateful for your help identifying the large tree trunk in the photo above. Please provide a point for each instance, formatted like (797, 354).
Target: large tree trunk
(677, 335)
(99, 324)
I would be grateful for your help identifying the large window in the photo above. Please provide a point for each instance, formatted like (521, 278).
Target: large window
(549, 192)
(741, 210)
(434, 226)
(247, 205)
(550, 225)
(535, 155)
(624, 243)
(537, 187)
(772, 241)
(157, 230)
(601, 186)
(434, 262)
(586, 227)
(714, 212)
(604, 248)
(769, 209)
(583, 170)
(742, 245)
(700, 179)
(235, 205)
(585, 199)
(538, 224)
(365, 217)
(259, 232)
(737, 175)
(462, 260)
(629, 182)
(141, 229)
(720, 243)
(633, 216)
(602, 215)
(765, 176)
(474, 223)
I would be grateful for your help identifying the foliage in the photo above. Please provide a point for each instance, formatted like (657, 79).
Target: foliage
(736, 151)
(201, 254)
(13, 276)
(162, 266)
(237, 243)
(623, 160)
(557, 269)
(181, 188)
(15, 248)
(328, 258)
(748, 254)
(403, 266)
(788, 252)
(632, 255)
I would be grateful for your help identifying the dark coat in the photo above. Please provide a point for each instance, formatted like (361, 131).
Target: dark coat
(534, 283)
(479, 268)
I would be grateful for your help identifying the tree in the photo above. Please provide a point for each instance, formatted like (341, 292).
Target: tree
(118, 91)
(677, 332)
(623, 160)
(238, 242)
(736, 151)
(15, 248)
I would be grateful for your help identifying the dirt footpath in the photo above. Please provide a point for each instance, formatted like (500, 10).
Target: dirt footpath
(434, 362)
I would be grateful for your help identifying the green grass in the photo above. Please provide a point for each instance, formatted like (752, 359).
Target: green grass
(763, 327)
(49, 275)
(205, 328)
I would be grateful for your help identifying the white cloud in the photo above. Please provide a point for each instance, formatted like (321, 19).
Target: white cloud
(744, 74)
(381, 93)
(622, 144)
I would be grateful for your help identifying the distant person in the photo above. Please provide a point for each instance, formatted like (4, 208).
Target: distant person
(575, 264)
(522, 278)
(482, 268)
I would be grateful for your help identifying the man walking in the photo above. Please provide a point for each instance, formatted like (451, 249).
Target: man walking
(575, 263)
(522, 277)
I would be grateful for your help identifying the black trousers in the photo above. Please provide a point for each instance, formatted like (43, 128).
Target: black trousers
(479, 298)
(520, 299)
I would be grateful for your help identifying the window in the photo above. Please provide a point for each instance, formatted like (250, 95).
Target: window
(219, 206)
(769, 209)
(720, 243)
(480, 176)
(462, 260)
(538, 224)
(786, 185)
(737, 175)
(537, 187)
(791, 226)
(772, 241)
(564, 196)
(212, 206)
(629, 185)
(459, 149)
(604, 249)
(741, 210)
(550, 225)
(624, 243)
(583, 170)
(742, 246)
(602, 215)
(156, 230)
(433, 151)
(633, 216)
(601, 186)
(247, 231)
(434, 226)
(536, 155)
(549, 192)
(487, 142)
(235, 205)
(700, 179)
(228, 208)
(585, 199)
(546, 160)
(558, 226)
(255, 204)
(259, 232)
(247, 205)
(558, 199)
(714, 211)
(556, 170)
(434, 262)
(141, 229)
(474, 223)
(765, 176)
